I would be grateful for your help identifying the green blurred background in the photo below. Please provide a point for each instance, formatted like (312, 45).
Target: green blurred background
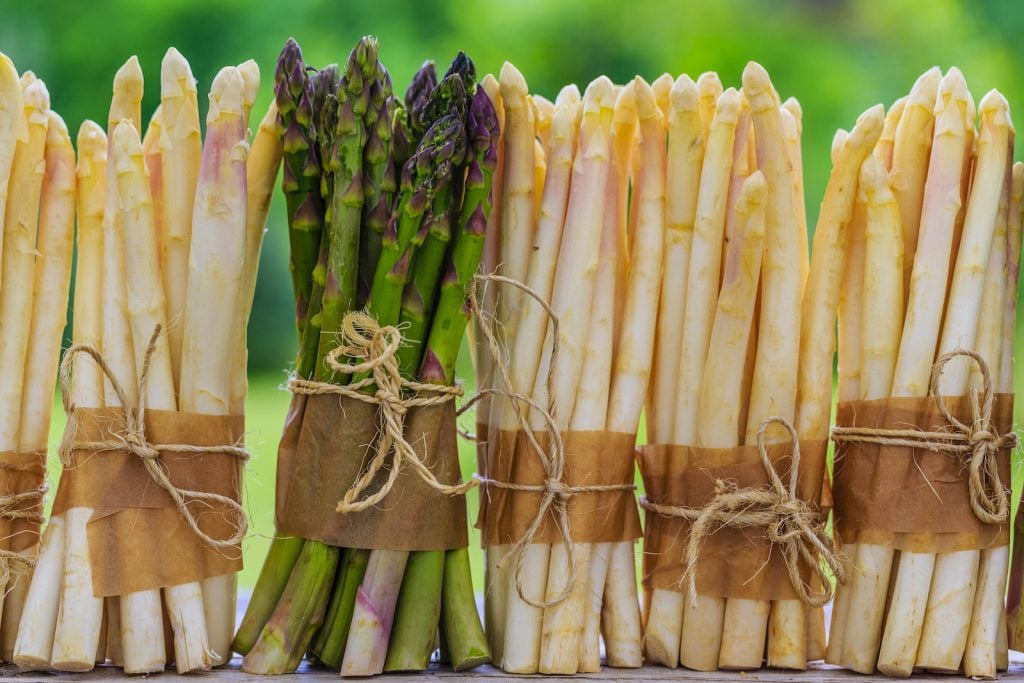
(838, 57)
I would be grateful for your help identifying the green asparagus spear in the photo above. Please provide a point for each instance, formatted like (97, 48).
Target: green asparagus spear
(378, 178)
(293, 92)
(416, 95)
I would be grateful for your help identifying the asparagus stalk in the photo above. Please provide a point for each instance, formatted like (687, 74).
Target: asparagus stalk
(36, 636)
(910, 162)
(947, 616)
(942, 200)
(151, 153)
(21, 223)
(379, 175)
(710, 88)
(416, 96)
(10, 125)
(49, 307)
(293, 92)
(180, 151)
(885, 148)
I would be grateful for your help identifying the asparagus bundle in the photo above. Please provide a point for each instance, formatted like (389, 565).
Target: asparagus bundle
(121, 296)
(749, 349)
(408, 253)
(910, 607)
(37, 199)
(539, 619)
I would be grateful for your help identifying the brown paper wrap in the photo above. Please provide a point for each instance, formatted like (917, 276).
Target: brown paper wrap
(322, 451)
(591, 459)
(734, 562)
(907, 498)
(22, 473)
(138, 539)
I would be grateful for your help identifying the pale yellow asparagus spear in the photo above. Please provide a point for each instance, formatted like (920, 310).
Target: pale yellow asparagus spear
(543, 111)
(851, 305)
(261, 170)
(249, 70)
(700, 639)
(151, 151)
(710, 88)
(792, 125)
(954, 580)
(887, 143)
(540, 169)
(635, 351)
(569, 94)
(662, 87)
(180, 148)
(909, 593)
(571, 294)
(882, 320)
(216, 256)
(1013, 248)
(48, 307)
(910, 162)
(742, 630)
(12, 125)
(980, 654)
(35, 640)
(495, 577)
(626, 128)
(684, 158)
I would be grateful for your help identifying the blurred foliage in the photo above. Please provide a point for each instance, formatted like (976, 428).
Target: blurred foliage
(836, 56)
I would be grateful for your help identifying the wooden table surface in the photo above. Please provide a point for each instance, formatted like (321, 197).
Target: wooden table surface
(233, 673)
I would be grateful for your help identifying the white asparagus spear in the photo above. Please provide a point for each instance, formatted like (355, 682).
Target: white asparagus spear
(986, 614)
(544, 112)
(635, 351)
(540, 169)
(792, 124)
(49, 314)
(887, 142)
(710, 88)
(563, 623)
(573, 285)
(151, 152)
(37, 636)
(12, 125)
(818, 315)
(216, 263)
(743, 629)
(249, 70)
(180, 149)
(882, 314)
(261, 170)
(20, 225)
(590, 413)
(851, 304)
(909, 593)
(662, 87)
(947, 616)
(684, 158)
(146, 311)
(701, 632)
(626, 129)
(495, 578)
(910, 161)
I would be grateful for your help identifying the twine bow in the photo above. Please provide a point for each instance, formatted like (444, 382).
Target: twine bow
(24, 505)
(977, 443)
(133, 440)
(373, 349)
(555, 493)
(788, 522)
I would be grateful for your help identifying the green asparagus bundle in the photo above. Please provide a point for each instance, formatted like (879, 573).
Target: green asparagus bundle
(408, 255)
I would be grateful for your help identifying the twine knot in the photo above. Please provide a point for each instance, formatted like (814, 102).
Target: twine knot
(373, 353)
(976, 443)
(133, 440)
(789, 522)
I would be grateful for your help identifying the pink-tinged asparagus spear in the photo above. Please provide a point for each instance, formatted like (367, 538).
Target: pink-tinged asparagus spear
(953, 585)
(180, 150)
(217, 263)
(36, 638)
(942, 200)
(151, 152)
(887, 142)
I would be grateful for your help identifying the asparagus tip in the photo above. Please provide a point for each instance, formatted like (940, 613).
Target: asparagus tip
(600, 94)
(36, 96)
(128, 78)
(512, 83)
(684, 95)
(227, 94)
(568, 94)
(646, 100)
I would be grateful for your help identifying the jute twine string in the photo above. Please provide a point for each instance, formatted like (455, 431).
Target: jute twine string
(977, 443)
(555, 494)
(133, 440)
(788, 521)
(373, 350)
(13, 506)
